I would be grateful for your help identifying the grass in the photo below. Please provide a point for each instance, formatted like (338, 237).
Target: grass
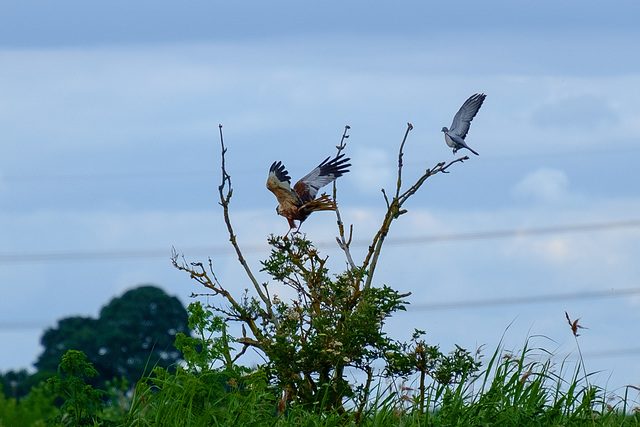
(512, 390)
(524, 389)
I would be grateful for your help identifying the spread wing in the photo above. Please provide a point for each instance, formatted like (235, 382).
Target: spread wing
(323, 174)
(466, 113)
(279, 183)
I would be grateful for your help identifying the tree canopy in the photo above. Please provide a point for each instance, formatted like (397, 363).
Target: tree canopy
(133, 333)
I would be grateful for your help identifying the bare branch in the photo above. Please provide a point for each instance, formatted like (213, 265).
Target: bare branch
(394, 207)
(439, 168)
(224, 202)
(400, 156)
(342, 241)
(386, 199)
(345, 135)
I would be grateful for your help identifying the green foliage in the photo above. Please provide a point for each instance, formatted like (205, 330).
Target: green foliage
(201, 393)
(428, 360)
(334, 323)
(511, 390)
(30, 411)
(81, 401)
(132, 331)
(17, 384)
(78, 333)
(202, 351)
(330, 325)
(520, 390)
(211, 397)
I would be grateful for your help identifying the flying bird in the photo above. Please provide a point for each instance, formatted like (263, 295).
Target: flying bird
(297, 204)
(454, 137)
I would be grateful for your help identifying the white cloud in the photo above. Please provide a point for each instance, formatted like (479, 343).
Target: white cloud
(583, 112)
(546, 185)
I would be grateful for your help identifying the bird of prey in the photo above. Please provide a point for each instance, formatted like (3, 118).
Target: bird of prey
(454, 137)
(297, 204)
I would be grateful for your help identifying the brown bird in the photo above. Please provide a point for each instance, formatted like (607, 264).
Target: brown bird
(297, 204)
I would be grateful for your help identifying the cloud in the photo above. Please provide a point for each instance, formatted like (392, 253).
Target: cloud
(576, 112)
(545, 185)
(554, 250)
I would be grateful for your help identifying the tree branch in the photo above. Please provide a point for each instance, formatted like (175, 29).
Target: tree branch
(394, 206)
(224, 202)
(342, 241)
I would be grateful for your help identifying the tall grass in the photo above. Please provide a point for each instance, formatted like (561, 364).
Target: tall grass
(513, 390)
(523, 390)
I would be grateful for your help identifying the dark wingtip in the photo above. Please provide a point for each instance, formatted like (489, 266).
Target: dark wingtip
(281, 173)
(337, 166)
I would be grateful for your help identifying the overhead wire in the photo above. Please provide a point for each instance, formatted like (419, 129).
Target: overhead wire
(426, 239)
(120, 254)
(529, 299)
(225, 250)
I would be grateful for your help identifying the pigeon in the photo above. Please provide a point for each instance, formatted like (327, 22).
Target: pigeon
(454, 137)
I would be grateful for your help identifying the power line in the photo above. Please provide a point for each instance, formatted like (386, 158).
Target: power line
(531, 299)
(606, 354)
(226, 250)
(112, 255)
(517, 232)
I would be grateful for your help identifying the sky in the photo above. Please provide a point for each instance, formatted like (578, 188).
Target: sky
(110, 156)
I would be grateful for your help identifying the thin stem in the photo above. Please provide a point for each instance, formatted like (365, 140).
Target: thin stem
(342, 241)
(224, 202)
(394, 206)
(400, 156)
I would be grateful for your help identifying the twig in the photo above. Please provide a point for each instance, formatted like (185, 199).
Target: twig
(342, 241)
(439, 168)
(224, 202)
(394, 206)
(400, 156)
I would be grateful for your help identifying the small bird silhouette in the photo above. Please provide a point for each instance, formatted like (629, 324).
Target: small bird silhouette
(297, 204)
(454, 137)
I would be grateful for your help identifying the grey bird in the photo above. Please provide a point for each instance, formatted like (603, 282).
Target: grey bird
(454, 137)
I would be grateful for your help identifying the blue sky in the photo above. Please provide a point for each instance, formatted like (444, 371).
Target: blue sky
(109, 156)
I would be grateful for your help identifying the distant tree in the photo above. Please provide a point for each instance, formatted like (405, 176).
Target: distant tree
(138, 329)
(18, 384)
(134, 332)
(77, 333)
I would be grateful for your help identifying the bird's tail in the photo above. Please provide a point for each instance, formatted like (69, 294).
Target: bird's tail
(322, 203)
